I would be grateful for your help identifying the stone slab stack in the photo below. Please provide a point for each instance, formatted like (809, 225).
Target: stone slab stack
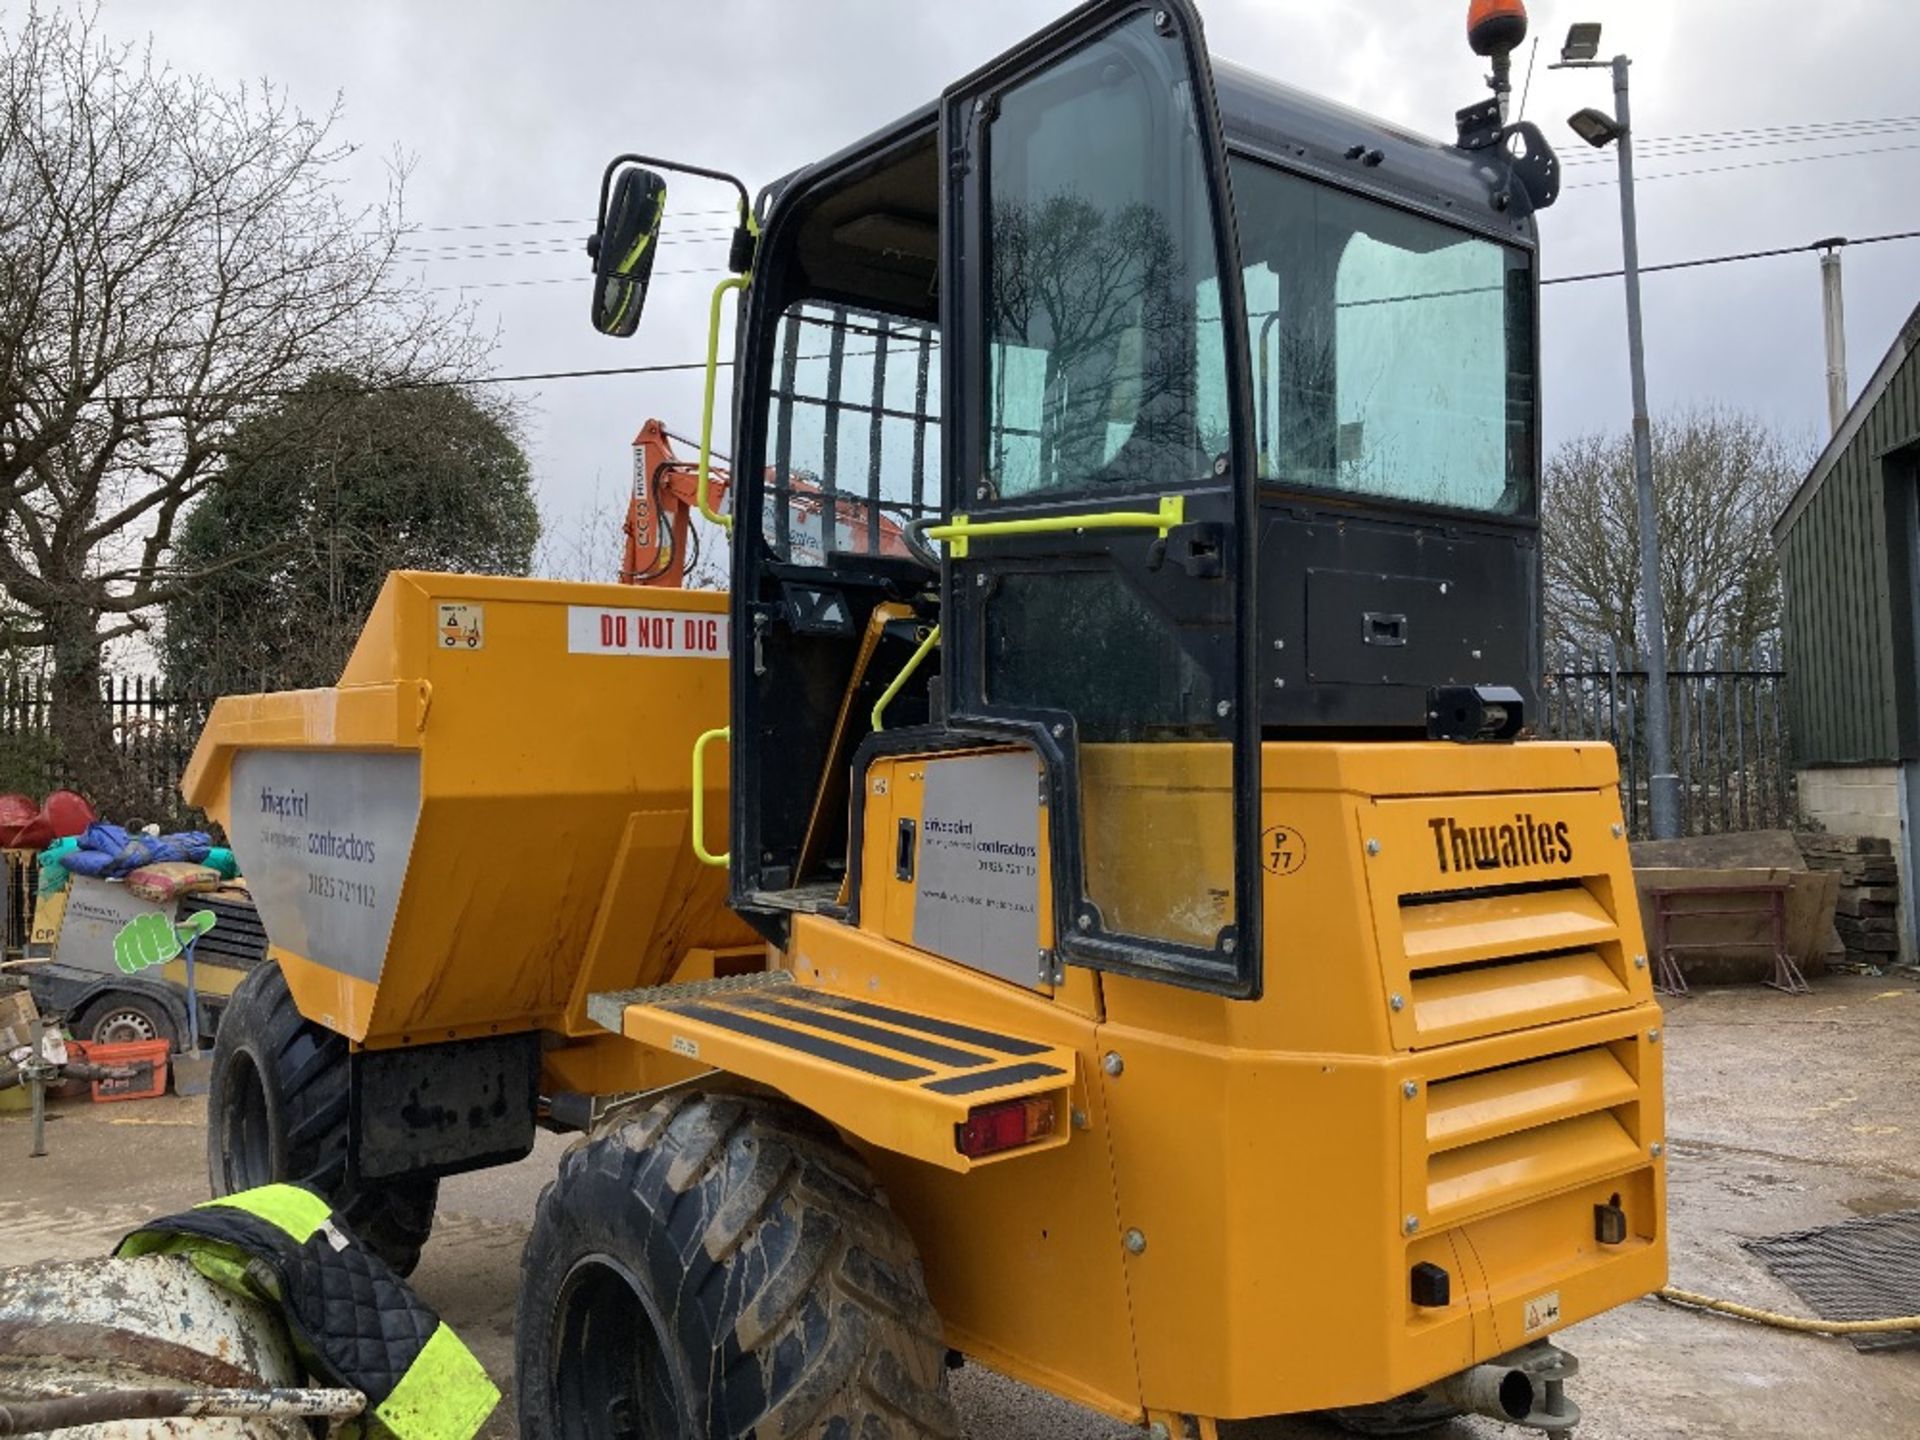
(1867, 913)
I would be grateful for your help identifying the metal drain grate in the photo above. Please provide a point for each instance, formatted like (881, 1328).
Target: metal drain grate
(1866, 1269)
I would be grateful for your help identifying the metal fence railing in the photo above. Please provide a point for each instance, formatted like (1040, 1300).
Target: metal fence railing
(154, 730)
(1728, 714)
(1728, 721)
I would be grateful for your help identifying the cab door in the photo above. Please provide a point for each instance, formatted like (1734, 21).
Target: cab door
(1099, 481)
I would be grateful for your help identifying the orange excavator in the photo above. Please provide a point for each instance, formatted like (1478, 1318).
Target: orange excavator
(662, 544)
(661, 540)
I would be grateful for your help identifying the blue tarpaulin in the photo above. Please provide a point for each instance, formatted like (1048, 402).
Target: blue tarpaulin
(109, 852)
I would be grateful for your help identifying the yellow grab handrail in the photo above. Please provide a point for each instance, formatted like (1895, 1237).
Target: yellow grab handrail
(959, 530)
(732, 282)
(906, 674)
(700, 851)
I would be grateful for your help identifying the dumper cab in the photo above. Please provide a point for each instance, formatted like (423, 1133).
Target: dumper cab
(1113, 759)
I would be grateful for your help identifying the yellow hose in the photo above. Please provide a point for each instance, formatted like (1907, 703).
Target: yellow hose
(1790, 1322)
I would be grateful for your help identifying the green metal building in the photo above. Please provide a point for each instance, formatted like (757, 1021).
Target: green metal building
(1849, 545)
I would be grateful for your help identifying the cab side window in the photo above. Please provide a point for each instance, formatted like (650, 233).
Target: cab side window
(853, 442)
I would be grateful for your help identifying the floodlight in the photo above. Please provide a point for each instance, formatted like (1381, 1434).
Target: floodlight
(1583, 42)
(1596, 127)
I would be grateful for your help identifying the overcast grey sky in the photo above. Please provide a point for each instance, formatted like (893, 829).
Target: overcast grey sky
(511, 109)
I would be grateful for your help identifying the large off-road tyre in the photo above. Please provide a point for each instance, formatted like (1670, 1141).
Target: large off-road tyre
(277, 1110)
(723, 1267)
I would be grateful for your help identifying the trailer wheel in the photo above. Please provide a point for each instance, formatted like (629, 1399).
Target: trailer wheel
(121, 1016)
(724, 1266)
(277, 1110)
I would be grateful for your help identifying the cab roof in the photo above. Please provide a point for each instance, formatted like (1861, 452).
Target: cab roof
(1306, 133)
(1329, 141)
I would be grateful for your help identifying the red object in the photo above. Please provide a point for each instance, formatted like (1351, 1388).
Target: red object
(1495, 27)
(146, 1058)
(990, 1129)
(78, 1052)
(17, 812)
(27, 826)
(36, 834)
(69, 814)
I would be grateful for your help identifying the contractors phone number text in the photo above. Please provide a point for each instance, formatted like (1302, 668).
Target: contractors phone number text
(344, 892)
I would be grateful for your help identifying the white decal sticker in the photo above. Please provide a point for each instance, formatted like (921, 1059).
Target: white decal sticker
(594, 630)
(689, 1048)
(323, 837)
(977, 876)
(1542, 1311)
(462, 626)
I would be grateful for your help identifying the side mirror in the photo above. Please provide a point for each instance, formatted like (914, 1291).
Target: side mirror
(623, 247)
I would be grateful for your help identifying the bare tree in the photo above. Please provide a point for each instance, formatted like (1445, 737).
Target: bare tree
(173, 257)
(1720, 480)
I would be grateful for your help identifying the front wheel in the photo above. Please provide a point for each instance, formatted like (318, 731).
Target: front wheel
(277, 1110)
(721, 1267)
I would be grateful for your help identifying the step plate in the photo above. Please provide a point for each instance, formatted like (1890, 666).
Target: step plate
(897, 1078)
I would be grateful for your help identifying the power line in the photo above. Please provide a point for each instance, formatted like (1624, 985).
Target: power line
(582, 278)
(1754, 165)
(1659, 146)
(1672, 146)
(1729, 259)
(507, 250)
(529, 224)
(285, 391)
(532, 377)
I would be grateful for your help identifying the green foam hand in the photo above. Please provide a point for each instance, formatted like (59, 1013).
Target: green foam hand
(152, 939)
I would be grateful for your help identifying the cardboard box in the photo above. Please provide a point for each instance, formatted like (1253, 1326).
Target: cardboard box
(17, 1013)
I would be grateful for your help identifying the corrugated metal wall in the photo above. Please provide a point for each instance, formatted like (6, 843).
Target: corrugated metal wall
(1843, 705)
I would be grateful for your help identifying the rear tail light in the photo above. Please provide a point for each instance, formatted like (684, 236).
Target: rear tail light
(989, 1129)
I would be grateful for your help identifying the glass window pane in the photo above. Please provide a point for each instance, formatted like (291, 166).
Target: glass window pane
(1107, 372)
(1156, 782)
(1393, 355)
(853, 433)
(1107, 364)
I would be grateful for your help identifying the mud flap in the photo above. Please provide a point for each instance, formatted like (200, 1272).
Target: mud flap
(442, 1109)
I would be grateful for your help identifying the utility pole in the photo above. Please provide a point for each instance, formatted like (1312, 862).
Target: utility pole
(1834, 306)
(1663, 786)
(1600, 130)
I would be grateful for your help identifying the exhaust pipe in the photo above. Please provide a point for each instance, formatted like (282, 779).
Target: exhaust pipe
(1524, 1387)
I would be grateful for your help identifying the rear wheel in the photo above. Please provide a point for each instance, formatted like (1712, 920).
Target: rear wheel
(277, 1110)
(719, 1267)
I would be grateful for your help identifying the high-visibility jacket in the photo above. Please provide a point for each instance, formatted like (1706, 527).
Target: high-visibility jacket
(355, 1323)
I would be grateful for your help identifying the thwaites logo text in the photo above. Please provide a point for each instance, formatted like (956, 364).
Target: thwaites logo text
(1523, 842)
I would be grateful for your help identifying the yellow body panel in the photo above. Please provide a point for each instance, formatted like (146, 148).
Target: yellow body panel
(552, 841)
(1454, 1058)
(1281, 1178)
(1022, 1258)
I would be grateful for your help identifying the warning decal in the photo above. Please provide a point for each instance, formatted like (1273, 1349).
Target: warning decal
(1542, 1311)
(594, 630)
(461, 627)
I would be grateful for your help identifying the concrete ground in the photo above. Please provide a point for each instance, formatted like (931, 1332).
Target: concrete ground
(1783, 1113)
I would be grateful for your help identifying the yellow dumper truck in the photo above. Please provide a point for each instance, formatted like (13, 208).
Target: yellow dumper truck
(1123, 935)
